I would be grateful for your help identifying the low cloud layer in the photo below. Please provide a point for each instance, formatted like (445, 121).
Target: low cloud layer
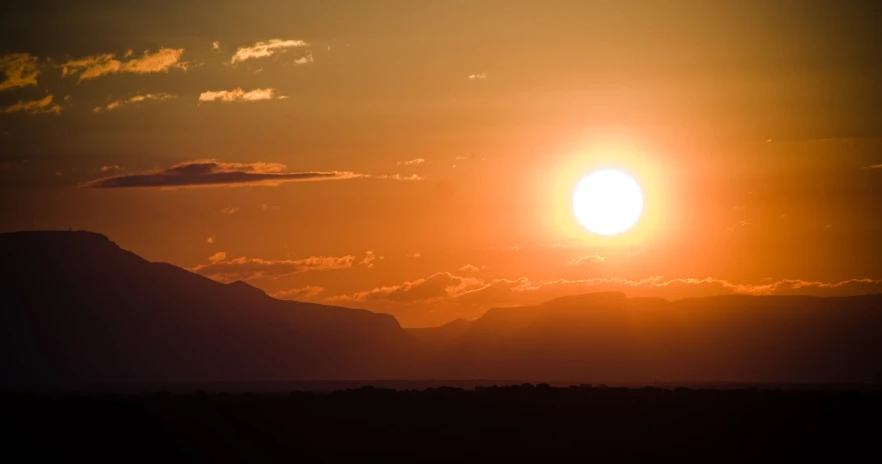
(136, 99)
(308, 292)
(229, 270)
(223, 270)
(212, 173)
(265, 49)
(239, 95)
(473, 291)
(19, 70)
(41, 106)
(434, 288)
(91, 67)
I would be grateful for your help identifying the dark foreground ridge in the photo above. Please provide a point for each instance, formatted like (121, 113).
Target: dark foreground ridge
(79, 310)
(523, 423)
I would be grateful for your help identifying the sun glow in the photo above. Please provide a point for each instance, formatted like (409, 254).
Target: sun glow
(608, 202)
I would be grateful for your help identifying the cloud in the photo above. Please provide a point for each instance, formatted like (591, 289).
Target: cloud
(396, 177)
(114, 167)
(413, 255)
(239, 95)
(874, 166)
(472, 268)
(686, 287)
(517, 247)
(472, 291)
(306, 59)
(136, 99)
(215, 45)
(91, 67)
(221, 269)
(19, 70)
(212, 173)
(495, 292)
(369, 258)
(478, 76)
(413, 161)
(434, 288)
(305, 293)
(230, 210)
(41, 106)
(265, 49)
(209, 240)
(589, 259)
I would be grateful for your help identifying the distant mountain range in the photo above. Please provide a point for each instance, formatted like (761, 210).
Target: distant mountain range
(77, 309)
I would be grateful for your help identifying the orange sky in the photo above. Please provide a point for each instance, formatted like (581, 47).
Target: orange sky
(419, 158)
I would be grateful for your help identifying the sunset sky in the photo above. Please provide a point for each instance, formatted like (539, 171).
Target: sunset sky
(419, 158)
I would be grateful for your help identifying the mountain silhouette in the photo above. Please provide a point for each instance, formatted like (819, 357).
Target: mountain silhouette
(78, 309)
(606, 337)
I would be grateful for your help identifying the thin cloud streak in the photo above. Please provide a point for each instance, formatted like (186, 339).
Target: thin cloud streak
(223, 270)
(449, 287)
(91, 67)
(589, 259)
(238, 95)
(136, 99)
(212, 173)
(42, 106)
(265, 49)
(308, 292)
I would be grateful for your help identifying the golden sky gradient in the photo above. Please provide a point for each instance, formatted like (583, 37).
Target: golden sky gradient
(419, 158)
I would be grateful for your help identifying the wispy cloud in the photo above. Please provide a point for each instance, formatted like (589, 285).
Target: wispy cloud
(265, 49)
(449, 287)
(369, 259)
(136, 99)
(472, 268)
(215, 45)
(42, 106)
(239, 95)
(874, 166)
(589, 259)
(434, 288)
(228, 270)
(19, 70)
(395, 177)
(230, 210)
(478, 76)
(410, 162)
(308, 292)
(212, 173)
(91, 67)
(305, 59)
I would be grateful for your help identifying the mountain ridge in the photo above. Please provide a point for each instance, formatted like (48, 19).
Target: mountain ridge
(78, 308)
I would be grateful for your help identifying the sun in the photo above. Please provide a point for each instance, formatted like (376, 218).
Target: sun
(608, 202)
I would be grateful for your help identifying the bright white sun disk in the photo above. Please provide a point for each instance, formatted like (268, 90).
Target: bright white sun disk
(608, 202)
